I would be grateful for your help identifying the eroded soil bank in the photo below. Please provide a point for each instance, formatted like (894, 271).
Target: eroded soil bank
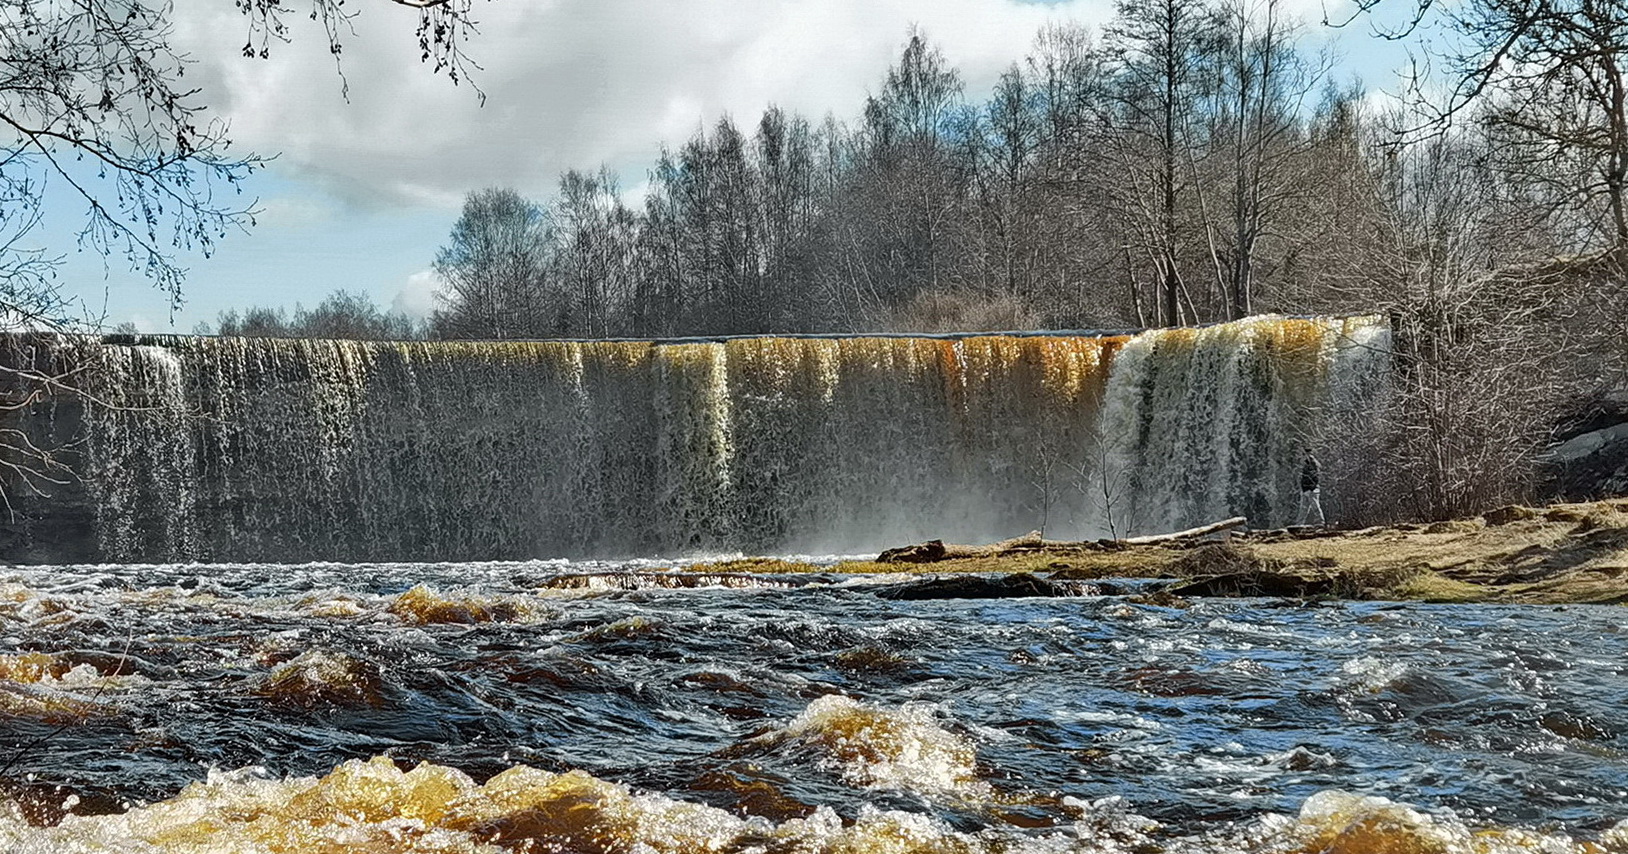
(1560, 554)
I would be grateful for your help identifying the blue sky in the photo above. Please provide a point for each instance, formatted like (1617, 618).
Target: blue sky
(364, 190)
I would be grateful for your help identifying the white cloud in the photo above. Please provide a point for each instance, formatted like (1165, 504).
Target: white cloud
(573, 83)
(140, 321)
(293, 211)
(417, 298)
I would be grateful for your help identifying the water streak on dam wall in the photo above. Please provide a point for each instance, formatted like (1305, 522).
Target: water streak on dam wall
(295, 450)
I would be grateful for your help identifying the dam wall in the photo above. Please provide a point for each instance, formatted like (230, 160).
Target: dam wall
(287, 450)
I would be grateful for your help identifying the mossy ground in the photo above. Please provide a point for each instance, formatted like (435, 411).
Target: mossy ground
(1564, 553)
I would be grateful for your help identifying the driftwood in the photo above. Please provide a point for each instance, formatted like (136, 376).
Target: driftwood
(933, 551)
(1200, 531)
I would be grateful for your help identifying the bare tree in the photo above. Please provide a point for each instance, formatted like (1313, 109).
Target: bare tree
(1486, 347)
(1546, 76)
(594, 238)
(1157, 46)
(1007, 139)
(785, 159)
(738, 234)
(1078, 237)
(353, 315)
(444, 26)
(494, 271)
(254, 322)
(94, 104)
(898, 239)
(918, 97)
(99, 80)
(1263, 86)
(342, 314)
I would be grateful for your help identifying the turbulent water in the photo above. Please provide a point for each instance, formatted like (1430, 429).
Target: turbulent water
(531, 707)
(289, 450)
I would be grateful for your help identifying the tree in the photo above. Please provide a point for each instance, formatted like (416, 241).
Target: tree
(1546, 77)
(1157, 46)
(1261, 90)
(93, 98)
(494, 271)
(1012, 134)
(341, 314)
(784, 149)
(664, 270)
(1080, 239)
(353, 315)
(254, 322)
(736, 195)
(1550, 76)
(1067, 70)
(918, 96)
(593, 246)
(904, 189)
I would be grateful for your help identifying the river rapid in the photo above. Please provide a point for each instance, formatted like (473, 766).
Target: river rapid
(598, 707)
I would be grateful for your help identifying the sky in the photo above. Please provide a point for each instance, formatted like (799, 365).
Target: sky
(365, 186)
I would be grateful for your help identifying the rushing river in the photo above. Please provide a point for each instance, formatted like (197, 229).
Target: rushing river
(608, 708)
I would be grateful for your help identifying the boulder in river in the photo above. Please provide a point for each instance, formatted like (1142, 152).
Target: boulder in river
(928, 552)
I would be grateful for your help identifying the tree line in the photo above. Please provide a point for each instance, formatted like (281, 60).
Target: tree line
(1170, 171)
(1193, 162)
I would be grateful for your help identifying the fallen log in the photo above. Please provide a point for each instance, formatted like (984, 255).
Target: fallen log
(1200, 531)
(933, 551)
(937, 550)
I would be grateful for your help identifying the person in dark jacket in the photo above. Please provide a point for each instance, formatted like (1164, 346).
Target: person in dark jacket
(1311, 496)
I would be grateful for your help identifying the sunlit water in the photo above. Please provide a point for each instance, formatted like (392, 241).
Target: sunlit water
(577, 707)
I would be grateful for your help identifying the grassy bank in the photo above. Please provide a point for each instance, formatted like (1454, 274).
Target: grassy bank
(1564, 553)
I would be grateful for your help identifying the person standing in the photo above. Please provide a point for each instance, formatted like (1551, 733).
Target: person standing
(1311, 495)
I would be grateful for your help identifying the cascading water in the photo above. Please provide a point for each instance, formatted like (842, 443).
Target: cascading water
(1198, 424)
(292, 450)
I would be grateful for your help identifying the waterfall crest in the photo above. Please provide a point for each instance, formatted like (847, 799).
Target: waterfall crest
(294, 450)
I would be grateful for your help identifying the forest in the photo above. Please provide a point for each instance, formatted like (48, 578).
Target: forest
(1193, 161)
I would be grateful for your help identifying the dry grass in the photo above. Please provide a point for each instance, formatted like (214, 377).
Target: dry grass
(1428, 586)
(761, 565)
(1563, 553)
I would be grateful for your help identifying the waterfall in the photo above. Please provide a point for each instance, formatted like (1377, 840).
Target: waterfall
(292, 450)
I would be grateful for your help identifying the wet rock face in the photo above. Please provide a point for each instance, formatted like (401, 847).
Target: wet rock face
(1014, 586)
(1600, 472)
(61, 530)
(1590, 457)
(928, 552)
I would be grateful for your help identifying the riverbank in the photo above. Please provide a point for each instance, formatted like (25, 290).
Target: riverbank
(1559, 554)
